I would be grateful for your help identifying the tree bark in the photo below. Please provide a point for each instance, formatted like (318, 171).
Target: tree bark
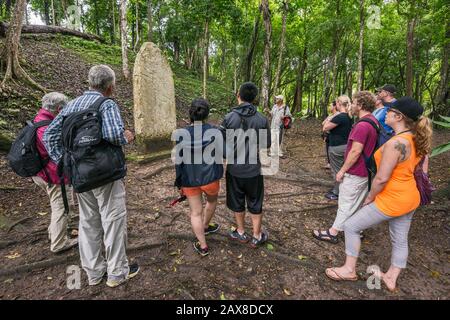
(123, 32)
(282, 45)
(205, 58)
(46, 12)
(410, 56)
(11, 53)
(149, 21)
(251, 50)
(359, 85)
(298, 98)
(53, 13)
(264, 7)
(136, 44)
(114, 31)
(442, 95)
(37, 29)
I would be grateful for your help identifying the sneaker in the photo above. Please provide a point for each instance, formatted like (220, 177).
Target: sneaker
(69, 245)
(201, 251)
(134, 270)
(256, 243)
(235, 235)
(212, 228)
(98, 281)
(331, 196)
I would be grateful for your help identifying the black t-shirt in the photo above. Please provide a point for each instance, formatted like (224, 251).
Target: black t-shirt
(339, 135)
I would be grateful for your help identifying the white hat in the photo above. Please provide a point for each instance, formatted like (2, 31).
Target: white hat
(279, 97)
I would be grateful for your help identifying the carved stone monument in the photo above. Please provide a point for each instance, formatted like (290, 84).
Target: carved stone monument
(154, 100)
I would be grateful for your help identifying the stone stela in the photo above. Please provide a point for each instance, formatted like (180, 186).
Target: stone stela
(154, 100)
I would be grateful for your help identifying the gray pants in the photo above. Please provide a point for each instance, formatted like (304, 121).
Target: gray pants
(103, 220)
(352, 193)
(336, 156)
(57, 230)
(370, 216)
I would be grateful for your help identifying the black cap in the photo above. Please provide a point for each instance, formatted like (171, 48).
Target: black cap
(409, 107)
(389, 88)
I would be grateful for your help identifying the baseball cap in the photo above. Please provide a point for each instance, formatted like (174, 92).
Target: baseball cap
(388, 87)
(409, 107)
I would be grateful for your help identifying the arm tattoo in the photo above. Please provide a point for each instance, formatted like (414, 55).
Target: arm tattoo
(402, 148)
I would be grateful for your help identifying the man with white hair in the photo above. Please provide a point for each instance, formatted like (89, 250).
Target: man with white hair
(279, 111)
(103, 215)
(48, 180)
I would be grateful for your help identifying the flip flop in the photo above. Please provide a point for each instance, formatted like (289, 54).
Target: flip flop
(337, 276)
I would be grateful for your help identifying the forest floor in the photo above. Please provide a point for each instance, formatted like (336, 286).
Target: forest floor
(291, 266)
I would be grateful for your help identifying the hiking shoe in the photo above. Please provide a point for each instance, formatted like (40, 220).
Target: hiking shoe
(256, 243)
(98, 281)
(212, 228)
(235, 235)
(70, 243)
(201, 251)
(134, 270)
(331, 196)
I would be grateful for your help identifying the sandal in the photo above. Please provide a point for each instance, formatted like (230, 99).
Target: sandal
(327, 236)
(333, 275)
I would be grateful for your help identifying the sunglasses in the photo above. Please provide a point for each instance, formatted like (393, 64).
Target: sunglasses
(396, 112)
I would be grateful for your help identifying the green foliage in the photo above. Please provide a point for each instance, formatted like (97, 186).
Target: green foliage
(446, 146)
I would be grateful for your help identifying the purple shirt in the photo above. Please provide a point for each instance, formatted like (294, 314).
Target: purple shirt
(365, 134)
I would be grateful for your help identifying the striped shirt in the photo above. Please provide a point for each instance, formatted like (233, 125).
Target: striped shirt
(112, 124)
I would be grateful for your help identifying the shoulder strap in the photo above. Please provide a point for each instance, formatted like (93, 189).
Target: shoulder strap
(285, 108)
(42, 123)
(98, 103)
(372, 123)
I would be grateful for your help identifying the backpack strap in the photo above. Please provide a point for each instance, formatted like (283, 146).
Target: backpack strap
(243, 121)
(366, 158)
(40, 124)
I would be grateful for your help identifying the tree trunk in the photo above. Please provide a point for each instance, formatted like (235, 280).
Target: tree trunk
(149, 20)
(282, 45)
(251, 50)
(123, 32)
(359, 85)
(410, 56)
(46, 12)
(136, 44)
(114, 31)
(37, 29)
(11, 53)
(205, 58)
(298, 98)
(53, 13)
(264, 7)
(442, 95)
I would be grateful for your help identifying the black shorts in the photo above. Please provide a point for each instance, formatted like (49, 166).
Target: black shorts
(240, 190)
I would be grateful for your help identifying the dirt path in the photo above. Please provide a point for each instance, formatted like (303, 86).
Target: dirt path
(291, 268)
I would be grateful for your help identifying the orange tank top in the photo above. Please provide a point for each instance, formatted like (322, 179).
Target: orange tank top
(400, 195)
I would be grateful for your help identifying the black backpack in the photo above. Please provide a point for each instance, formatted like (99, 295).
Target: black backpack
(24, 158)
(382, 137)
(89, 160)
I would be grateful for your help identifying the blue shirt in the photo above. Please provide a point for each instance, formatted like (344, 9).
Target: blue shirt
(112, 125)
(380, 115)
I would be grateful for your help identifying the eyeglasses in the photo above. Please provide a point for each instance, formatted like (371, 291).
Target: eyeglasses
(396, 112)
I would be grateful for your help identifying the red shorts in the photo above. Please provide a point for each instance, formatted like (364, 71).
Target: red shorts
(211, 189)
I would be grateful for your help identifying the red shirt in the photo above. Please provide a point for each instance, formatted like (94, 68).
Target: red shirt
(365, 134)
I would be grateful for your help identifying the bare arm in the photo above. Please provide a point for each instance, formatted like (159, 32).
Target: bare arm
(328, 125)
(352, 157)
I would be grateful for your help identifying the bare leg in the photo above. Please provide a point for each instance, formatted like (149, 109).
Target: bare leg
(210, 209)
(196, 210)
(240, 220)
(390, 277)
(256, 222)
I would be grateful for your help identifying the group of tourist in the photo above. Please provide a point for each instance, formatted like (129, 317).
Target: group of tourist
(393, 196)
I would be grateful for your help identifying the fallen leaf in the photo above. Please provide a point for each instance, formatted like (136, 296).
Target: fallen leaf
(8, 281)
(300, 257)
(435, 274)
(49, 278)
(287, 292)
(239, 256)
(173, 253)
(42, 213)
(13, 255)
(269, 246)
(222, 296)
